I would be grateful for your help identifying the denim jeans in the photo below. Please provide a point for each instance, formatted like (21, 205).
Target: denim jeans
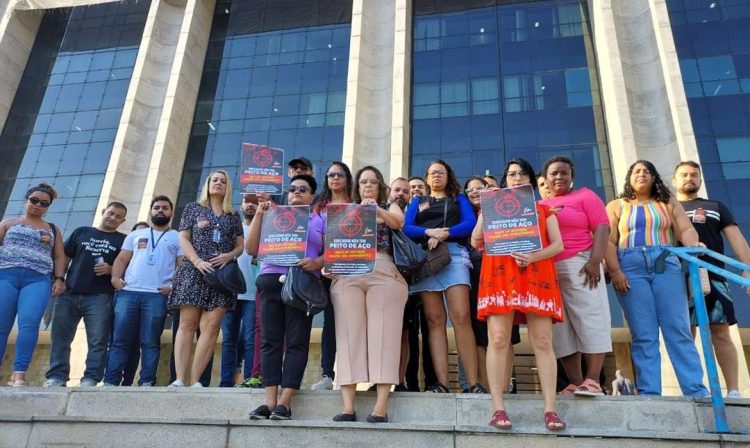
(24, 292)
(658, 300)
(96, 311)
(131, 308)
(241, 321)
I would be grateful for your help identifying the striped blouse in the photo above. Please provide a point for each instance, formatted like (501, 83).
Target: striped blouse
(644, 225)
(27, 247)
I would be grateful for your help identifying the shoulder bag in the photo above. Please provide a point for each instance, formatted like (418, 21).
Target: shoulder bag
(439, 257)
(304, 291)
(227, 280)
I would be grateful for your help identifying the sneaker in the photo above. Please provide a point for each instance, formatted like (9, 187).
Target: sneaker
(106, 384)
(734, 394)
(325, 383)
(146, 384)
(87, 382)
(197, 384)
(177, 383)
(281, 412)
(54, 382)
(254, 382)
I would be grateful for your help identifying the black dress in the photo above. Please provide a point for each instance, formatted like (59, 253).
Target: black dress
(189, 288)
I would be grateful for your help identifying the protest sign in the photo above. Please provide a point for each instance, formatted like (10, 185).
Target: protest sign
(511, 223)
(283, 235)
(261, 169)
(351, 242)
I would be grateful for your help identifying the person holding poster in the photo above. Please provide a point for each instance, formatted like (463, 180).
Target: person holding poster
(284, 331)
(446, 217)
(584, 226)
(370, 309)
(210, 237)
(337, 189)
(521, 288)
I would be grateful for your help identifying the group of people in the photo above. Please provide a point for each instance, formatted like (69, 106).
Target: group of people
(123, 286)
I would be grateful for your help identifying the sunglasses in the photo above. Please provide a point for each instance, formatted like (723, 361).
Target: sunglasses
(39, 202)
(301, 189)
(335, 174)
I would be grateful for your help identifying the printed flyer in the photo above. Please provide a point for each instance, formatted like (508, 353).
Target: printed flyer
(262, 169)
(351, 242)
(511, 223)
(283, 235)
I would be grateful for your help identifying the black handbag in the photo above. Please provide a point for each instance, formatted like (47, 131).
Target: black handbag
(408, 256)
(439, 257)
(227, 279)
(304, 291)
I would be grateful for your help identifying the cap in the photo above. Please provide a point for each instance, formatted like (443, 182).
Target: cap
(301, 160)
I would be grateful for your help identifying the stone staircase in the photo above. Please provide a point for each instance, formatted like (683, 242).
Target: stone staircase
(213, 417)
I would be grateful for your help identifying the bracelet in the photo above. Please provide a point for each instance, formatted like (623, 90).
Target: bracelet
(59, 278)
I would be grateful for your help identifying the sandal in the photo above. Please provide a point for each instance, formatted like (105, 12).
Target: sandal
(569, 390)
(477, 389)
(438, 388)
(553, 422)
(589, 388)
(501, 420)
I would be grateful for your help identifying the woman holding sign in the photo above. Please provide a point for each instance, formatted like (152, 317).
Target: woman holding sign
(446, 217)
(369, 309)
(210, 237)
(521, 288)
(284, 330)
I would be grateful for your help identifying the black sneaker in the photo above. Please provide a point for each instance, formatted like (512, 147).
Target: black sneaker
(281, 412)
(260, 413)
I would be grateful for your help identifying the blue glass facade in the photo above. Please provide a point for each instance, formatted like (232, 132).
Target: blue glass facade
(270, 82)
(62, 124)
(712, 39)
(498, 82)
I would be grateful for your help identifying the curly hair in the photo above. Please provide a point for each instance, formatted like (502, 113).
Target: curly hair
(525, 166)
(43, 187)
(382, 186)
(326, 195)
(452, 187)
(659, 189)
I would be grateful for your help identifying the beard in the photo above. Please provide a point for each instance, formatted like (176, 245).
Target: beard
(249, 215)
(160, 220)
(690, 189)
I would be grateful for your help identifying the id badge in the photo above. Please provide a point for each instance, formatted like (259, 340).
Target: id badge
(152, 259)
(217, 236)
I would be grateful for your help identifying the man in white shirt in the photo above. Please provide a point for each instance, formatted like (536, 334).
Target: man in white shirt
(148, 260)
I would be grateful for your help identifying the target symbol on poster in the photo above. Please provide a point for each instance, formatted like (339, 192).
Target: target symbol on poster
(263, 157)
(508, 206)
(351, 224)
(285, 221)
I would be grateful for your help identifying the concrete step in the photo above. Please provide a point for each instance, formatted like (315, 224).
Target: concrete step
(132, 417)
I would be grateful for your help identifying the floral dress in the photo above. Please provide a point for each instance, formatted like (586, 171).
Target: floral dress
(212, 235)
(505, 287)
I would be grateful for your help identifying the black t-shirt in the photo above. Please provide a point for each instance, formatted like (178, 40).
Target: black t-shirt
(709, 218)
(83, 246)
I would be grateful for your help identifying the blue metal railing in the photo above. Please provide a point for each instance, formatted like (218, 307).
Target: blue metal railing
(689, 254)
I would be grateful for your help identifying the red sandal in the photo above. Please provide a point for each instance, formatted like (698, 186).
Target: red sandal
(553, 422)
(501, 420)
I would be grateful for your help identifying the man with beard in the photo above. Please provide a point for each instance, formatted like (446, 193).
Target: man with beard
(241, 321)
(712, 219)
(88, 296)
(417, 186)
(148, 260)
(400, 192)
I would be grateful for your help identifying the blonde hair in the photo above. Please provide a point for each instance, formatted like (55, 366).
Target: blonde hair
(226, 205)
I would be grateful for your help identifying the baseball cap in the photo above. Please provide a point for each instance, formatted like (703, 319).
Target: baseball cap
(301, 161)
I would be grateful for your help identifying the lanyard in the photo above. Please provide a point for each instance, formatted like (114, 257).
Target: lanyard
(153, 245)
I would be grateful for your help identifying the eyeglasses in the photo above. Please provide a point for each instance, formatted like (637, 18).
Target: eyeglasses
(436, 173)
(513, 174)
(364, 182)
(299, 167)
(300, 188)
(335, 175)
(40, 202)
(472, 190)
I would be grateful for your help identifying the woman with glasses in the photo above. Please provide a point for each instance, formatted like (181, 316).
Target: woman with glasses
(446, 216)
(32, 265)
(337, 189)
(211, 236)
(285, 331)
(521, 288)
(649, 282)
(370, 308)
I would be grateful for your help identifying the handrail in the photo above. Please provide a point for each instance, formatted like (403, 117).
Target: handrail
(694, 264)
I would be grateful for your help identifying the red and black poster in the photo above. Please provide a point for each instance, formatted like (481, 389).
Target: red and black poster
(351, 242)
(283, 235)
(511, 223)
(262, 169)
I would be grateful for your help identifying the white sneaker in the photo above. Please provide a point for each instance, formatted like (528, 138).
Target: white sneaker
(325, 383)
(87, 382)
(177, 383)
(197, 384)
(734, 394)
(54, 382)
(146, 384)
